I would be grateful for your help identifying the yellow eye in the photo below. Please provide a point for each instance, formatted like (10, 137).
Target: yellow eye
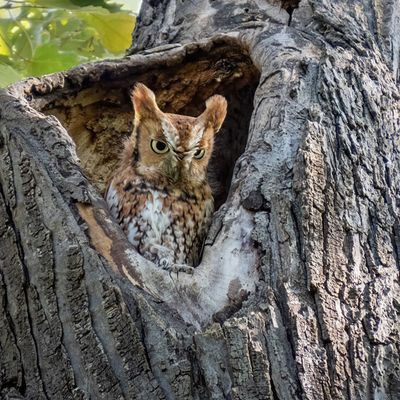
(199, 154)
(159, 147)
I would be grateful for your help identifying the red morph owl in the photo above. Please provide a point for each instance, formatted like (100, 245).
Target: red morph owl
(159, 193)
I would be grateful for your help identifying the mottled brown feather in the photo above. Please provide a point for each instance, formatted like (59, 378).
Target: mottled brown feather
(163, 201)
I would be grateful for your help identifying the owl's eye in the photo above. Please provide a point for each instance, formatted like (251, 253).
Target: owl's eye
(199, 154)
(159, 147)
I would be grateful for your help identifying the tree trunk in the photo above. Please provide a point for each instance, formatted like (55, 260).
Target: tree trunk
(297, 295)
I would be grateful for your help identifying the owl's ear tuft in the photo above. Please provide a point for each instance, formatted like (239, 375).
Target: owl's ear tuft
(144, 102)
(215, 112)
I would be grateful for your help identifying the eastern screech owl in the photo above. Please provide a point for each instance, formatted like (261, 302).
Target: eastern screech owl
(159, 194)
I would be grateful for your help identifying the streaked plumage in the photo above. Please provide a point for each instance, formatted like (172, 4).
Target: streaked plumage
(159, 194)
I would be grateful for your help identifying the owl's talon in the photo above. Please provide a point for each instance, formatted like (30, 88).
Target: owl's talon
(185, 268)
(175, 268)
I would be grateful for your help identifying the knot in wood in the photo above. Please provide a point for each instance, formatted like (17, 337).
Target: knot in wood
(254, 201)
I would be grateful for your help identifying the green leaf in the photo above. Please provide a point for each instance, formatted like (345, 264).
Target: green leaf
(49, 58)
(97, 3)
(74, 4)
(8, 75)
(44, 36)
(62, 4)
(114, 29)
(4, 47)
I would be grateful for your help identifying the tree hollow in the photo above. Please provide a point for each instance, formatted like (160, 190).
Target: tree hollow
(98, 115)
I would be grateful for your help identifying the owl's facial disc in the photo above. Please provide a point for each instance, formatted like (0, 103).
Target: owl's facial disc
(181, 165)
(173, 146)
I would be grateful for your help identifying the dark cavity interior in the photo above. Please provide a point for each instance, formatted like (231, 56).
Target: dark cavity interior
(98, 114)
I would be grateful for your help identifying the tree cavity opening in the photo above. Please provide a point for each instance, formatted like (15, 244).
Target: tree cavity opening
(96, 110)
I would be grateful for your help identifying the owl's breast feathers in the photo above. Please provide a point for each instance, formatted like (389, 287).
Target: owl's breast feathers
(160, 220)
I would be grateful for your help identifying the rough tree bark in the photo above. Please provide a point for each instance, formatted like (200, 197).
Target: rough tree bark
(297, 295)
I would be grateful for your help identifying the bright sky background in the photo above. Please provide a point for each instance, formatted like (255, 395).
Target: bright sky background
(133, 5)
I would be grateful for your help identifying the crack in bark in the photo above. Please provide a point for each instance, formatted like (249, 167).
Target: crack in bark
(25, 282)
(22, 386)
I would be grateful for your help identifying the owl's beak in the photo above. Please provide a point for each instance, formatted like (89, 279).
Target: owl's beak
(173, 169)
(179, 155)
(179, 164)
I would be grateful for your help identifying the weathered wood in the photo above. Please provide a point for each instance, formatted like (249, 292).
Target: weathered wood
(297, 295)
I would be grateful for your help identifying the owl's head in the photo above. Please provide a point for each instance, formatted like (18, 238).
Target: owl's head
(174, 148)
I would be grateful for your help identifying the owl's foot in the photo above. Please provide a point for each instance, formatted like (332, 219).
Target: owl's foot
(166, 265)
(187, 269)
